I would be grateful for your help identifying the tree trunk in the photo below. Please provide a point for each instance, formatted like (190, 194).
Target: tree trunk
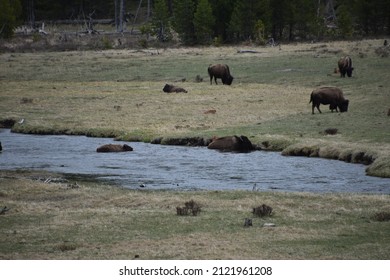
(121, 12)
(31, 13)
(116, 14)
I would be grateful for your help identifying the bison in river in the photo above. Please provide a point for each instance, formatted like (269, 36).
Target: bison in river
(329, 95)
(220, 71)
(345, 66)
(171, 88)
(113, 148)
(232, 144)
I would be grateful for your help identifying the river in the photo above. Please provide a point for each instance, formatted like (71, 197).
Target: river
(184, 168)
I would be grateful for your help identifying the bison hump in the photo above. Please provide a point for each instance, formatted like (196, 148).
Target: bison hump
(112, 148)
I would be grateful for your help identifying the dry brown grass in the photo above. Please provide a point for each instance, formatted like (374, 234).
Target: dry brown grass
(53, 221)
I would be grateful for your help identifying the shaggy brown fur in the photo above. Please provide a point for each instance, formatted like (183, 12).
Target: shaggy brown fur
(171, 88)
(112, 148)
(329, 95)
(220, 71)
(231, 144)
(345, 66)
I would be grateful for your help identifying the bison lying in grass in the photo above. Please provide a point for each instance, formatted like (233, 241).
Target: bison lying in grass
(171, 88)
(331, 96)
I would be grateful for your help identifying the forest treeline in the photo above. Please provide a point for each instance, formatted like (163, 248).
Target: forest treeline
(214, 21)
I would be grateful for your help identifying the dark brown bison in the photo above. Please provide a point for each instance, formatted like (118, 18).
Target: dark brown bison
(345, 66)
(329, 95)
(333, 107)
(220, 71)
(171, 88)
(114, 148)
(231, 144)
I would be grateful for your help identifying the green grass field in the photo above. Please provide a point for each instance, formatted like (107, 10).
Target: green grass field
(118, 93)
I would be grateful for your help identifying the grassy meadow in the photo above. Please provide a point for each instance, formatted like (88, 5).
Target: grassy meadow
(96, 221)
(118, 93)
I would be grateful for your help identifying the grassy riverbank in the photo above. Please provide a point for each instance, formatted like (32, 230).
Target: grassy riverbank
(55, 220)
(118, 93)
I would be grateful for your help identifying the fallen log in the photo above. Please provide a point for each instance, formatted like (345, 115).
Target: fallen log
(247, 51)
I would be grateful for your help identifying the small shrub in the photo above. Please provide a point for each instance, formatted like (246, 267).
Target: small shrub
(66, 247)
(143, 43)
(330, 131)
(191, 207)
(36, 37)
(217, 42)
(381, 216)
(262, 210)
(248, 222)
(107, 44)
(383, 51)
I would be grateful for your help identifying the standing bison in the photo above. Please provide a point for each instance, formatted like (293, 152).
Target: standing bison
(220, 71)
(345, 66)
(329, 95)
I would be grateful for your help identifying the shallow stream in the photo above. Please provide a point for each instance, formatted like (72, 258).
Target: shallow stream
(184, 168)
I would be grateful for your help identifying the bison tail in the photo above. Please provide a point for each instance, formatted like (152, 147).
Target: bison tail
(311, 98)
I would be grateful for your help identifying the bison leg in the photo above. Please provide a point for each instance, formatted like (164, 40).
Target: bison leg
(317, 106)
(215, 79)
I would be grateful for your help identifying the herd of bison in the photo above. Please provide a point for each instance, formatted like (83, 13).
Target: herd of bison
(331, 96)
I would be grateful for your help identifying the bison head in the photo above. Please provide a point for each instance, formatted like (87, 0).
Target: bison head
(344, 106)
(167, 88)
(126, 147)
(227, 80)
(349, 72)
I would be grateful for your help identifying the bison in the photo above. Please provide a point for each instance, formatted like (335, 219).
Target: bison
(232, 144)
(171, 88)
(220, 71)
(345, 66)
(111, 148)
(329, 95)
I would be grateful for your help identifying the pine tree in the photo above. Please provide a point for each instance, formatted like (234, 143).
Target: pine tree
(161, 22)
(9, 15)
(183, 12)
(203, 22)
(344, 21)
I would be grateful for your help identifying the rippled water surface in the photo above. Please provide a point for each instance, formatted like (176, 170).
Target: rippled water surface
(183, 168)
